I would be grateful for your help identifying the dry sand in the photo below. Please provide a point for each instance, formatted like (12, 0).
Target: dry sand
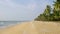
(34, 27)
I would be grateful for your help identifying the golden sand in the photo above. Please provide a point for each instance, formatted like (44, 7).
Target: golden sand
(34, 27)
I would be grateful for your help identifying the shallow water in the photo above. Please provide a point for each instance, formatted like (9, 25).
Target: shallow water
(4, 24)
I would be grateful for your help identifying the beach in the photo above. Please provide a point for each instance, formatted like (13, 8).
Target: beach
(33, 27)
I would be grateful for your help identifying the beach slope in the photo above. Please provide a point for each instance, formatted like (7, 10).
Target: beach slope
(34, 27)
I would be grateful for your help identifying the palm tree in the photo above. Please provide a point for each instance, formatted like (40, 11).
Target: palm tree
(48, 16)
(57, 5)
(47, 10)
(56, 10)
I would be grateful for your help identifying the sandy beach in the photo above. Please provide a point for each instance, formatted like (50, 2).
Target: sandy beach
(33, 27)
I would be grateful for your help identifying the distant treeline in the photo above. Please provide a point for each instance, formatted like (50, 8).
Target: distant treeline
(50, 14)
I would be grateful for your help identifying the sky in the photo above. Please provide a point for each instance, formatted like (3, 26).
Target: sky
(17, 10)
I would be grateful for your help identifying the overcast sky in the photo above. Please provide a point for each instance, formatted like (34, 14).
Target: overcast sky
(22, 9)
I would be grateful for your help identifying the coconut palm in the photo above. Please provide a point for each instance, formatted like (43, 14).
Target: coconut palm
(57, 5)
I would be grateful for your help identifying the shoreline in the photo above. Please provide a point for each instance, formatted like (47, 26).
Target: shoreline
(33, 27)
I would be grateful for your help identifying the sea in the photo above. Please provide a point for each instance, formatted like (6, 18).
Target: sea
(4, 24)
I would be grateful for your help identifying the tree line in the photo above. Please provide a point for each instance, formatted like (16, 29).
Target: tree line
(50, 14)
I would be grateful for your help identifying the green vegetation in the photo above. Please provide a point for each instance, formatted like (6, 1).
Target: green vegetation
(50, 14)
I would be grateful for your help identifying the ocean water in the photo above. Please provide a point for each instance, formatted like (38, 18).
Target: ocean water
(4, 24)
